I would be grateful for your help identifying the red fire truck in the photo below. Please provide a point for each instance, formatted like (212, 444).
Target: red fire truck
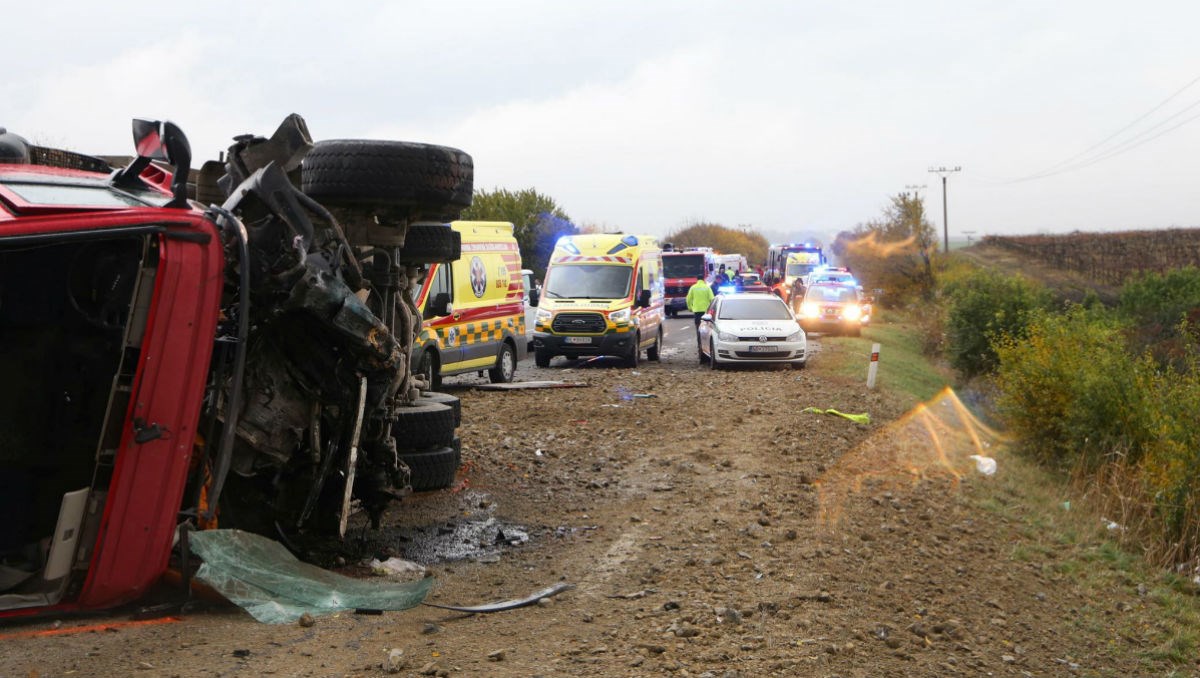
(681, 270)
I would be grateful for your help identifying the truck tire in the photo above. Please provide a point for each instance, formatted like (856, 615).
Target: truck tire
(541, 358)
(426, 424)
(437, 181)
(433, 468)
(446, 399)
(430, 244)
(506, 365)
(652, 353)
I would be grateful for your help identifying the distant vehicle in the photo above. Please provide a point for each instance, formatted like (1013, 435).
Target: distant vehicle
(832, 275)
(751, 329)
(834, 308)
(681, 270)
(734, 263)
(787, 262)
(749, 281)
(533, 292)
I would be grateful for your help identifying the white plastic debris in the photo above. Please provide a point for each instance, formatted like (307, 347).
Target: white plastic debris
(396, 567)
(985, 465)
(1111, 525)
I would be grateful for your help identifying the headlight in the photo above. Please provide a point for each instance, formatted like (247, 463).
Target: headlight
(810, 310)
(852, 312)
(798, 335)
(543, 316)
(621, 316)
(725, 336)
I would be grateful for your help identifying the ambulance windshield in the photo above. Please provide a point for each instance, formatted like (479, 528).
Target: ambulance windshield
(587, 281)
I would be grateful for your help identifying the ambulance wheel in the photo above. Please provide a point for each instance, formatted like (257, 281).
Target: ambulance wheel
(506, 365)
(633, 358)
(430, 243)
(652, 353)
(436, 181)
(446, 399)
(541, 358)
(426, 424)
(427, 365)
(433, 468)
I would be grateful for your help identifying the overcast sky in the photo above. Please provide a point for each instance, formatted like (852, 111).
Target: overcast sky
(797, 118)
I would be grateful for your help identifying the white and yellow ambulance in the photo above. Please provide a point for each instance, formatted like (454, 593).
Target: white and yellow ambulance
(473, 309)
(602, 296)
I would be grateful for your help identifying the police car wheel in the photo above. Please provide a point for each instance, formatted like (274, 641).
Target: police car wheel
(426, 424)
(430, 243)
(446, 399)
(433, 468)
(712, 355)
(437, 182)
(506, 365)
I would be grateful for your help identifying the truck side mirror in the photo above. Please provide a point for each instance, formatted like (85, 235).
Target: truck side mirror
(441, 304)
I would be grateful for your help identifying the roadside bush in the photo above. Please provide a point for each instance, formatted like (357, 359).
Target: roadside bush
(1164, 312)
(982, 307)
(1071, 392)
(1172, 457)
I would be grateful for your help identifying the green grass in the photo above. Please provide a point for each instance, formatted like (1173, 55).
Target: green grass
(902, 366)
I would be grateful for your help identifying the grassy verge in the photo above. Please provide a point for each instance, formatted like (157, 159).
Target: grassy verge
(1147, 614)
(902, 367)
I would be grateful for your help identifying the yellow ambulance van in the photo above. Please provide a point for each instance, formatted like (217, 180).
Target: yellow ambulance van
(473, 309)
(602, 296)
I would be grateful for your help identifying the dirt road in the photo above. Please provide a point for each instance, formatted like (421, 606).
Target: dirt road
(711, 529)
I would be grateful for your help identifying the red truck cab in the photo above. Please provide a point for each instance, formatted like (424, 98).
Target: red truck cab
(108, 307)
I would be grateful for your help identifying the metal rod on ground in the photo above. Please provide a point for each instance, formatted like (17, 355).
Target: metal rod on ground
(874, 366)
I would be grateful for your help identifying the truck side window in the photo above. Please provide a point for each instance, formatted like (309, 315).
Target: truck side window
(440, 284)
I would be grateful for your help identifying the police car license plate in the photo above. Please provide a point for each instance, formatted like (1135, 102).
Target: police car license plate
(759, 349)
(578, 340)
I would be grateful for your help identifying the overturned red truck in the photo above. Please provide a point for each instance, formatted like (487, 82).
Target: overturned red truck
(234, 350)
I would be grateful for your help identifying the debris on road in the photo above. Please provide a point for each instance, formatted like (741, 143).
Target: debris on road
(523, 385)
(863, 418)
(262, 577)
(985, 465)
(503, 605)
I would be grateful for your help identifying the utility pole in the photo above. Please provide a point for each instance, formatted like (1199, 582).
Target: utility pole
(968, 234)
(915, 188)
(944, 171)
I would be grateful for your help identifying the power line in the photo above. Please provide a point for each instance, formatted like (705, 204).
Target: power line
(1070, 163)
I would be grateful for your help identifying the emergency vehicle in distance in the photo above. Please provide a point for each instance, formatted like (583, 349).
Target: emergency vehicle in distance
(603, 295)
(788, 262)
(681, 270)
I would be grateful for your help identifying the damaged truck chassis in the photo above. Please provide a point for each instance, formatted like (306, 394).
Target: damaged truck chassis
(296, 261)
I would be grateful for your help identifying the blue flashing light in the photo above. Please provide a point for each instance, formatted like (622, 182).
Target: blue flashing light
(630, 240)
(726, 289)
(568, 245)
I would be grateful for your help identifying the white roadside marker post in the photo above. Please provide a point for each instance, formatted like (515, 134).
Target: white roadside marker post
(874, 366)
